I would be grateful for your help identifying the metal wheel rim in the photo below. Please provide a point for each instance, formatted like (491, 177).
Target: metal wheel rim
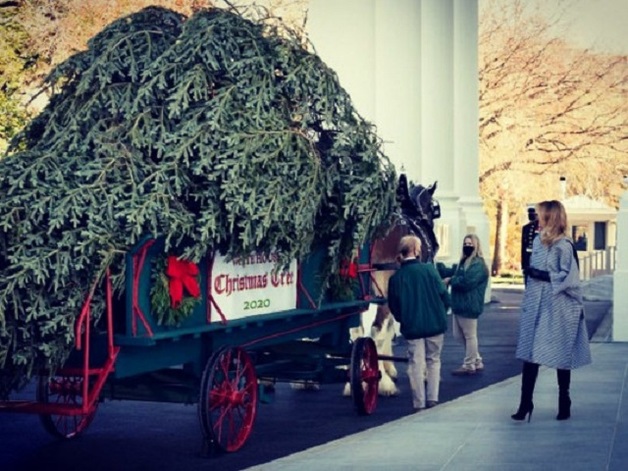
(228, 403)
(364, 376)
(64, 390)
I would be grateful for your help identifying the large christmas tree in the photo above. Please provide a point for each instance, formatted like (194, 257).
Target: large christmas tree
(210, 131)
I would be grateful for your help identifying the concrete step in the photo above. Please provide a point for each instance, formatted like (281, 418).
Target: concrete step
(599, 288)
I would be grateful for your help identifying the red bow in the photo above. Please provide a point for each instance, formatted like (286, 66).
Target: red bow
(349, 269)
(182, 274)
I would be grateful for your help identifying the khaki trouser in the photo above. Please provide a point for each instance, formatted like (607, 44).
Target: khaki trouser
(466, 331)
(424, 354)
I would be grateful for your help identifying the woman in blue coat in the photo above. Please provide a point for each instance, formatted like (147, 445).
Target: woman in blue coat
(552, 330)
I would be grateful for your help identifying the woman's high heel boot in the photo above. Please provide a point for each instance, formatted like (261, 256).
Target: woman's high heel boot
(564, 407)
(528, 380)
(564, 401)
(523, 411)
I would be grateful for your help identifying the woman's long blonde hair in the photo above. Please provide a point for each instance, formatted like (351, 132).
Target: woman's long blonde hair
(552, 220)
(477, 249)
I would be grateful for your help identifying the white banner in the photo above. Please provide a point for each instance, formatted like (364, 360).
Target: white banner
(248, 286)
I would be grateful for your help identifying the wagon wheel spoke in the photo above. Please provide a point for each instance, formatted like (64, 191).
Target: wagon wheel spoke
(64, 391)
(228, 402)
(364, 376)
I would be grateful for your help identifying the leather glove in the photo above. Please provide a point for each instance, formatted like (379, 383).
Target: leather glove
(538, 274)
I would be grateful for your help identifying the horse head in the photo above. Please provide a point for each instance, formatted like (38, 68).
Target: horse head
(418, 209)
(415, 215)
(417, 202)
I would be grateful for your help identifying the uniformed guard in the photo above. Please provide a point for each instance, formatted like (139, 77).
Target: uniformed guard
(528, 232)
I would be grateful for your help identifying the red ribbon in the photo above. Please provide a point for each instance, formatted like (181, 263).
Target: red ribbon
(182, 275)
(349, 269)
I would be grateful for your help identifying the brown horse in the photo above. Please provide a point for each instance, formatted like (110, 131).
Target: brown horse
(418, 209)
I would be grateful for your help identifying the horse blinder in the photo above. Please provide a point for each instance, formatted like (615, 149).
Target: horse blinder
(435, 209)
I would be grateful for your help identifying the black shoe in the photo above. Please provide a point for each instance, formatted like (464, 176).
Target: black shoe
(564, 408)
(431, 404)
(523, 412)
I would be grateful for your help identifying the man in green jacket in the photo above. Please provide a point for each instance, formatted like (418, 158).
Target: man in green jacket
(418, 299)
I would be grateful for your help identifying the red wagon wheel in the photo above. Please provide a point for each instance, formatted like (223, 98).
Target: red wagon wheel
(364, 375)
(64, 390)
(228, 399)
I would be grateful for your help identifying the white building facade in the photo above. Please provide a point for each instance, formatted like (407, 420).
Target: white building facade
(620, 276)
(411, 68)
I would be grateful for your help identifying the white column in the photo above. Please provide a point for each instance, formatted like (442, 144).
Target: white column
(437, 118)
(374, 47)
(397, 83)
(466, 120)
(342, 33)
(466, 101)
(437, 93)
(410, 67)
(620, 277)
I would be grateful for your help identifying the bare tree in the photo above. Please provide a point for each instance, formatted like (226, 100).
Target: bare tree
(545, 109)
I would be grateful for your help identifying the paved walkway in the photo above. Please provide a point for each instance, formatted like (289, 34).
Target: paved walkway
(475, 432)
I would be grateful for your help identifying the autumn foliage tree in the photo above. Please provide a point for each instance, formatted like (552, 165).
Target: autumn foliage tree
(546, 109)
(15, 61)
(37, 35)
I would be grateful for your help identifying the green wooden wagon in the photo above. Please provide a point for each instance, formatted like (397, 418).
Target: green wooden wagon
(236, 338)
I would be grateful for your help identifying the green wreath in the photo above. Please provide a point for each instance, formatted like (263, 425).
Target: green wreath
(161, 305)
(345, 284)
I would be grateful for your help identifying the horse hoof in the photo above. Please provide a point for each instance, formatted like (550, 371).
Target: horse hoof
(387, 387)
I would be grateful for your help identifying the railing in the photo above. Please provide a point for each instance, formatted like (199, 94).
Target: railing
(600, 262)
